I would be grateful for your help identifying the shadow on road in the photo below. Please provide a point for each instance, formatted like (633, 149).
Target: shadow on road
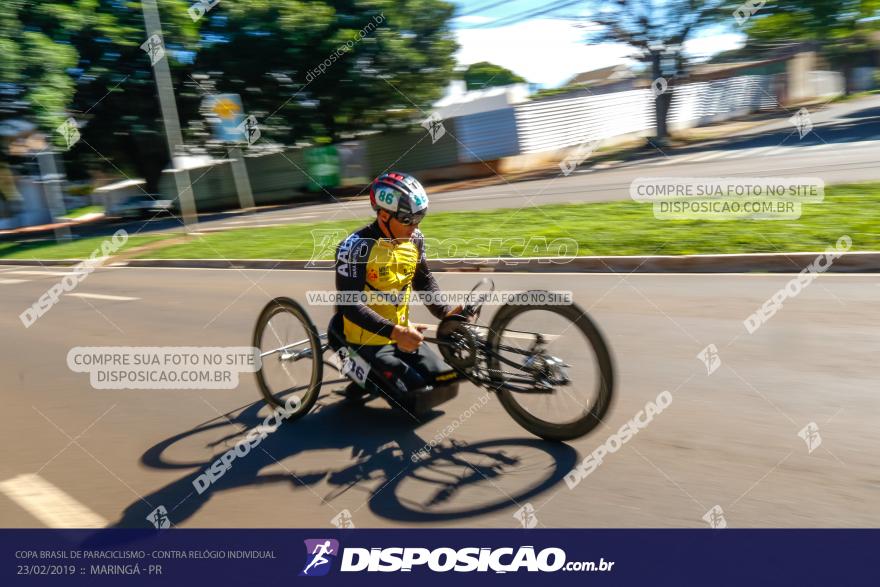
(853, 127)
(865, 114)
(453, 480)
(849, 131)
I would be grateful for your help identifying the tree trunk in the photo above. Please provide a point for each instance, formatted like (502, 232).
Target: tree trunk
(662, 100)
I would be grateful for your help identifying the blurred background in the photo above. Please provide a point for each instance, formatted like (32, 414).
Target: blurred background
(232, 134)
(339, 91)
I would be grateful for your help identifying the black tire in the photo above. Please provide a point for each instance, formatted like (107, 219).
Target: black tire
(308, 399)
(605, 383)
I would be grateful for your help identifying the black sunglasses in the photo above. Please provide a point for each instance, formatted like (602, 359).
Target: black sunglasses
(408, 218)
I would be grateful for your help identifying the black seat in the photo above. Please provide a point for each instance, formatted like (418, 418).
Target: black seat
(378, 384)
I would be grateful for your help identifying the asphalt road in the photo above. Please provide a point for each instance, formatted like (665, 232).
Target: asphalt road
(843, 146)
(74, 455)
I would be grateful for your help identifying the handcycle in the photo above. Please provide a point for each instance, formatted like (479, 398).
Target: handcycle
(514, 363)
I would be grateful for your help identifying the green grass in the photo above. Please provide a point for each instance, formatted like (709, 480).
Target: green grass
(855, 96)
(74, 249)
(83, 210)
(616, 228)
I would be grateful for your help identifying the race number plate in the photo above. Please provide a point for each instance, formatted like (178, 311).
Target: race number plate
(351, 365)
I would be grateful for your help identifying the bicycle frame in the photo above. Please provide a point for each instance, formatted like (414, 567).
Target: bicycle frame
(475, 375)
(484, 351)
(485, 355)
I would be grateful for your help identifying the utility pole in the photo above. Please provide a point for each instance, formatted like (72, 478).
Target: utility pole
(155, 49)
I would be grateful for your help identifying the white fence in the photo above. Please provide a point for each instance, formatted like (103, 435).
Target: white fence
(555, 124)
(702, 103)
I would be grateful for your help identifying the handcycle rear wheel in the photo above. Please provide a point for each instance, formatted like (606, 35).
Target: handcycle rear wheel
(522, 401)
(291, 355)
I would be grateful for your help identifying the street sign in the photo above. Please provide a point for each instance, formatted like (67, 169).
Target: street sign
(225, 113)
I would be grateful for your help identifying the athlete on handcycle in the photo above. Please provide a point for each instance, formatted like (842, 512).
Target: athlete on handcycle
(388, 257)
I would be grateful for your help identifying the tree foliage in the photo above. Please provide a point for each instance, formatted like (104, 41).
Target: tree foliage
(486, 75)
(651, 26)
(310, 70)
(816, 20)
(644, 24)
(324, 70)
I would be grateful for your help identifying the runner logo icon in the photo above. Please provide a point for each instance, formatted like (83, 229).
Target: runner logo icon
(320, 554)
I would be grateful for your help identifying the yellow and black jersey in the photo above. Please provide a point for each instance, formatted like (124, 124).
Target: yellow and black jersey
(368, 262)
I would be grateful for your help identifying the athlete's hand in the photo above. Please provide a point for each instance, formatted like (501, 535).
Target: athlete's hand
(407, 338)
(457, 311)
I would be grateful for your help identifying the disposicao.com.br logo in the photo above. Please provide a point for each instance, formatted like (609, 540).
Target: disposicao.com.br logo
(320, 554)
(442, 560)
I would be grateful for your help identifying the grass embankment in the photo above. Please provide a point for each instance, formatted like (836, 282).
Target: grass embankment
(73, 249)
(82, 211)
(614, 228)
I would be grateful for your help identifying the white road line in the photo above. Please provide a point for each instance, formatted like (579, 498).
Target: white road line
(689, 158)
(827, 146)
(49, 504)
(102, 297)
(300, 217)
(12, 281)
(44, 273)
(779, 151)
(751, 152)
(276, 220)
(846, 145)
(710, 156)
(667, 161)
(872, 142)
(814, 147)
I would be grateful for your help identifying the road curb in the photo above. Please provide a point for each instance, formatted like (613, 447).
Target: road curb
(855, 262)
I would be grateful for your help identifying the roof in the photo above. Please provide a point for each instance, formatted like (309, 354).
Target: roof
(457, 103)
(603, 74)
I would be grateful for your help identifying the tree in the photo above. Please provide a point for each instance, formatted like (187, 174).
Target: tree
(309, 70)
(82, 59)
(320, 71)
(116, 92)
(817, 20)
(841, 28)
(656, 30)
(33, 69)
(483, 75)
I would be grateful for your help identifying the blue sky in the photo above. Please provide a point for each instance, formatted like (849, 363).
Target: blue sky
(550, 48)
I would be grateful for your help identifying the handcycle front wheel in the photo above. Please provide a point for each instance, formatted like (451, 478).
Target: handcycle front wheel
(291, 356)
(563, 391)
